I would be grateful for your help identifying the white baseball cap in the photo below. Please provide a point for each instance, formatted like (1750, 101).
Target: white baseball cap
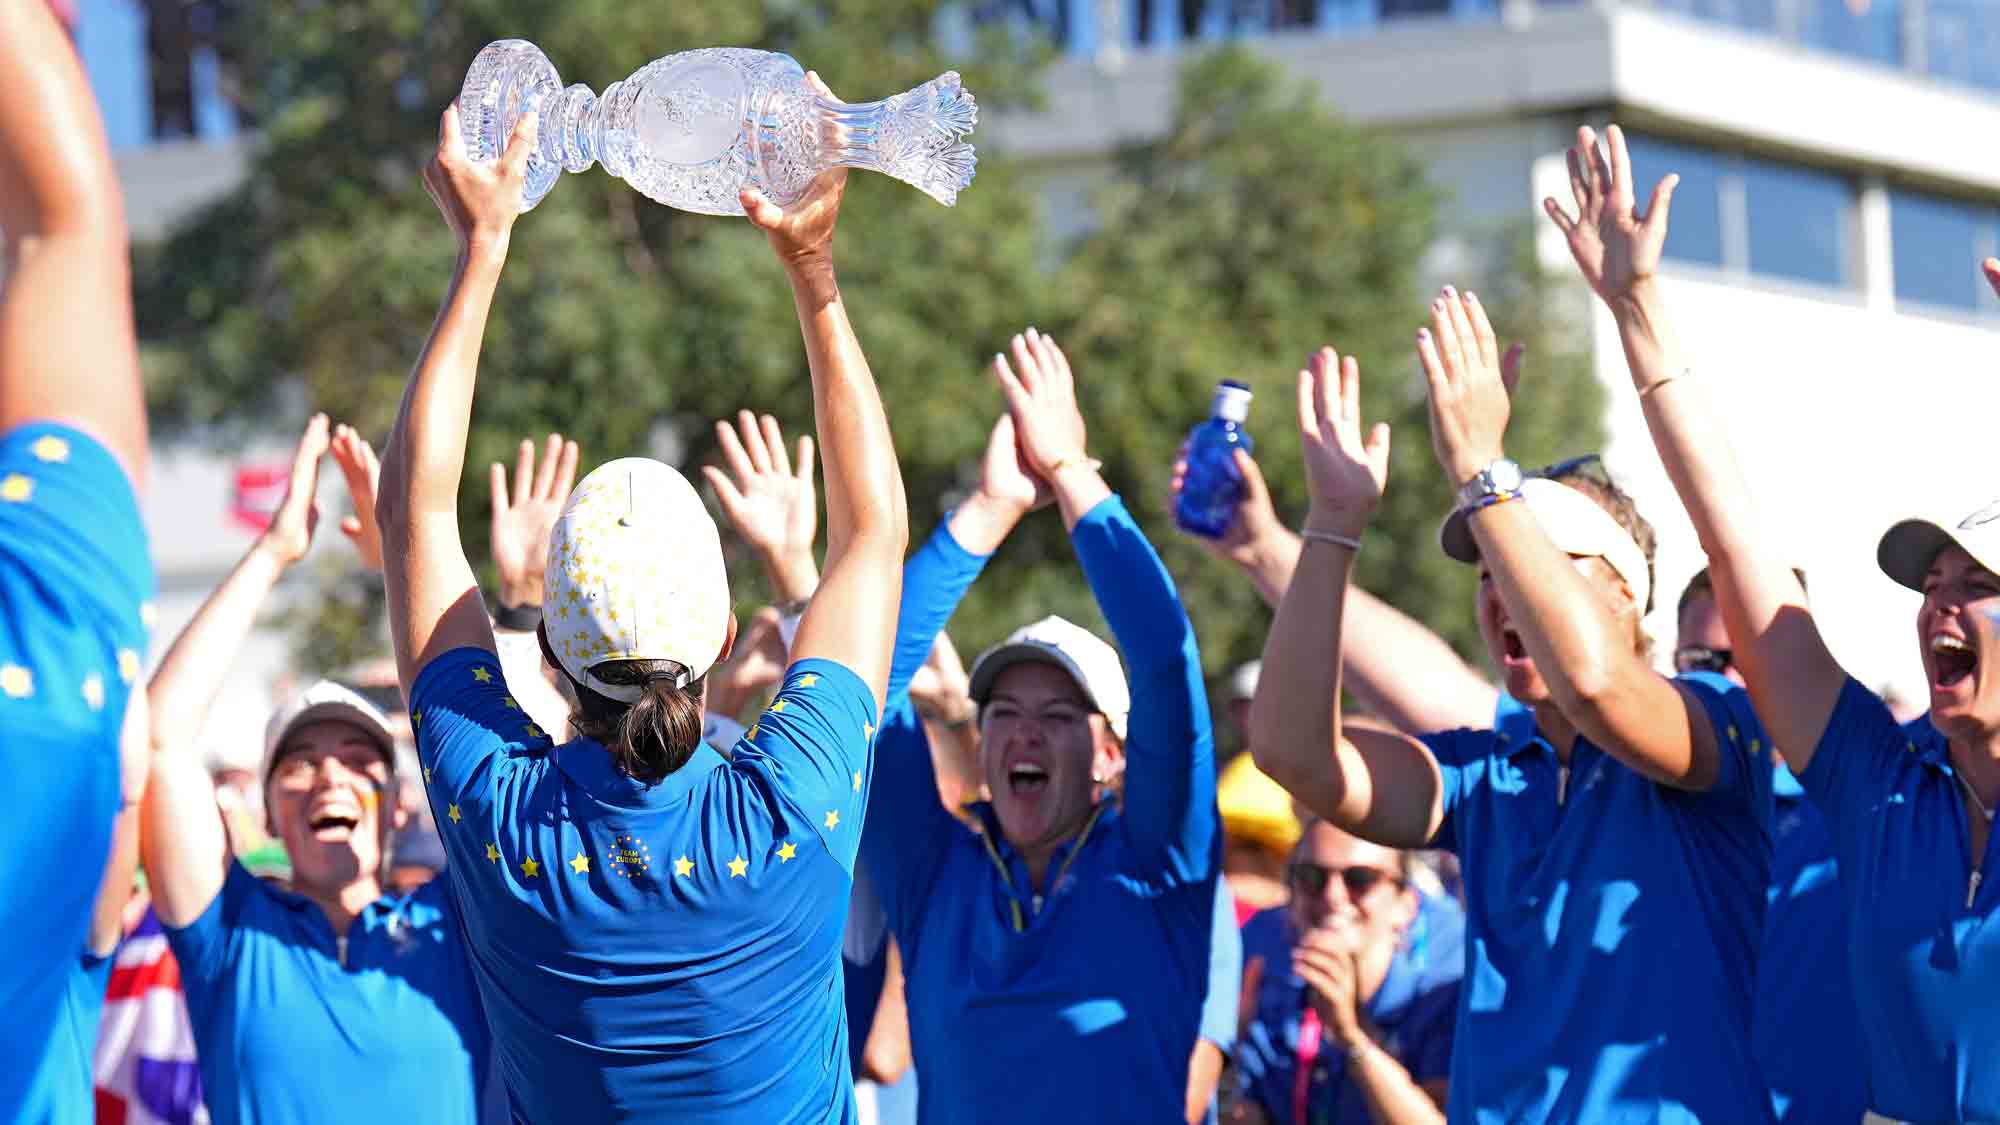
(635, 573)
(326, 701)
(1575, 523)
(1910, 547)
(1092, 663)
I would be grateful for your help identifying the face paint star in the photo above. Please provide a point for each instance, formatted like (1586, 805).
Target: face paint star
(493, 852)
(808, 680)
(51, 448)
(16, 489)
(482, 675)
(684, 867)
(832, 818)
(581, 864)
(787, 852)
(737, 867)
(530, 868)
(454, 815)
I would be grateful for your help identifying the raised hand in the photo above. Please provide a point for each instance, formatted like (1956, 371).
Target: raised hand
(289, 534)
(479, 200)
(801, 234)
(755, 666)
(1614, 248)
(523, 519)
(772, 505)
(1470, 398)
(363, 471)
(1041, 397)
(1256, 521)
(1004, 474)
(941, 689)
(1345, 473)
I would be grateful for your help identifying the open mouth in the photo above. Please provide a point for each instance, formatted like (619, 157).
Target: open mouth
(1512, 647)
(1024, 778)
(1952, 660)
(332, 828)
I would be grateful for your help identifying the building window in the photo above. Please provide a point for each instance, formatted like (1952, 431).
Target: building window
(1869, 29)
(1963, 41)
(1937, 246)
(1749, 215)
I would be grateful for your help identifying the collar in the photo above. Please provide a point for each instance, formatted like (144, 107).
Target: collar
(1514, 727)
(588, 764)
(1785, 786)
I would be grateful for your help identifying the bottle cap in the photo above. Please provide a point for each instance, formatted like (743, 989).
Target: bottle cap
(1232, 402)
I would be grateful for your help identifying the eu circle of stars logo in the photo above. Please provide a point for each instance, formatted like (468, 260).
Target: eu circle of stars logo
(631, 857)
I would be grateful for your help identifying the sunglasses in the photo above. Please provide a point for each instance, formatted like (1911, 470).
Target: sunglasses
(1312, 878)
(1590, 465)
(1701, 658)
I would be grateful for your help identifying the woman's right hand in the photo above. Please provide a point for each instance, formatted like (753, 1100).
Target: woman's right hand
(1345, 472)
(289, 535)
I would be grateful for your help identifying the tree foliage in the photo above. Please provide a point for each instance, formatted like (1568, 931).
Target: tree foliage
(1260, 226)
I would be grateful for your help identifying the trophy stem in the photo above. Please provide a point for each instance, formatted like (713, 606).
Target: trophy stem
(571, 129)
(913, 136)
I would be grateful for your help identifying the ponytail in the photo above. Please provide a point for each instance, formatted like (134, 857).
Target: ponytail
(653, 736)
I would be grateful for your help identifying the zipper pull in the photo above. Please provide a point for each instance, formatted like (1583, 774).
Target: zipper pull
(1562, 784)
(1972, 890)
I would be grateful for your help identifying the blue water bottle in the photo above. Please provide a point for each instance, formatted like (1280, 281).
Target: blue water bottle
(1213, 487)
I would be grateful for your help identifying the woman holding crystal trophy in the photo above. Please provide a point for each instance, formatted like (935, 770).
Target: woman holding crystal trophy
(656, 929)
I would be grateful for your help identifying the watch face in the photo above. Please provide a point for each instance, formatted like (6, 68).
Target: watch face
(1505, 476)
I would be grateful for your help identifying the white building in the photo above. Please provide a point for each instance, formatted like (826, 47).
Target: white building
(1839, 182)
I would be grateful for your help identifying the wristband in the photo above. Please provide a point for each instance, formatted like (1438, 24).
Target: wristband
(1490, 499)
(518, 618)
(1351, 542)
(1078, 461)
(1658, 383)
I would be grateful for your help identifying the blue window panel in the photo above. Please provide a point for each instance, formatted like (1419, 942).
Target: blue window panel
(1936, 243)
(1872, 29)
(1963, 41)
(1695, 234)
(1798, 220)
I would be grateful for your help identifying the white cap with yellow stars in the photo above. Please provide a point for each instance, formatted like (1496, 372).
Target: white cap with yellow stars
(635, 573)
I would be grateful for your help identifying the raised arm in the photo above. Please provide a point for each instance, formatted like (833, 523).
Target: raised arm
(182, 840)
(68, 349)
(434, 602)
(772, 505)
(1381, 786)
(1582, 644)
(852, 616)
(1169, 804)
(1396, 667)
(1794, 680)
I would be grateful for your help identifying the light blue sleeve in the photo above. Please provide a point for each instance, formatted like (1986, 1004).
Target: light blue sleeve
(1220, 1009)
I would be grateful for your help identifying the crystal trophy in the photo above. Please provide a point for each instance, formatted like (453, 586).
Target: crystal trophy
(693, 129)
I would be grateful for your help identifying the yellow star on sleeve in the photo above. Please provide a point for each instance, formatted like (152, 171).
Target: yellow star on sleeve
(777, 706)
(787, 852)
(93, 692)
(17, 489)
(808, 680)
(427, 775)
(581, 864)
(857, 781)
(684, 867)
(530, 868)
(482, 675)
(867, 730)
(1733, 733)
(454, 815)
(149, 614)
(416, 719)
(752, 732)
(534, 731)
(128, 665)
(16, 681)
(493, 852)
(51, 448)
(511, 705)
(737, 867)
(832, 818)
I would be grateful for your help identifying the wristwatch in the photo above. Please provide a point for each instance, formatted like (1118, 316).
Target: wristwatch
(1498, 481)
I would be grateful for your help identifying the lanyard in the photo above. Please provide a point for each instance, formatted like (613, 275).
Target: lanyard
(1007, 878)
(1309, 1044)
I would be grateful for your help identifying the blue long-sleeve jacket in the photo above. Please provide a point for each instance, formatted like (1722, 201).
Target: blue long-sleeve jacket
(1089, 1011)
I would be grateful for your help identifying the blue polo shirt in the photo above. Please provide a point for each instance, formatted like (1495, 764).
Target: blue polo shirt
(1088, 1010)
(289, 1030)
(1924, 949)
(1612, 925)
(1224, 1002)
(1804, 1029)
(659, 950)
(1415, 1010)
(74, 578)
(62, 1092)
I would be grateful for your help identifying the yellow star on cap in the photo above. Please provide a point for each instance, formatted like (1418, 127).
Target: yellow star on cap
(93, 692)
(808, 680)
(128, 665)
(482, 675)
(16, 681)
(16, 489)
(454, 815)
(737, 867)
(51, 448)
(832, 818)
(562, 613)
(787, 852)
(857, 781)
(493, 852)
(777, 706)
(684, 867)
(530, 868)
(581, 864)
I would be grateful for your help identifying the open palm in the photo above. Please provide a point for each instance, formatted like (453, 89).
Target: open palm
(1614, 248)
(770, 501)
(1346, 473)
